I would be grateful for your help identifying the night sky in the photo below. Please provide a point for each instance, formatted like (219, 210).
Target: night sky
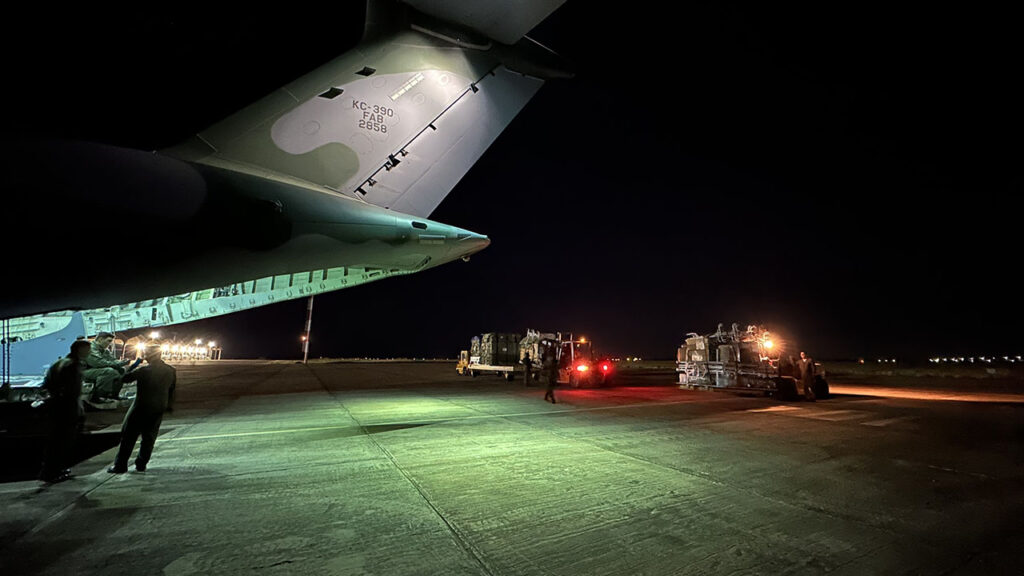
(844, 174)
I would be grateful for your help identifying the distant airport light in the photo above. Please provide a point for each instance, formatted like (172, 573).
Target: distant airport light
(768, 344)
(583, 340)
(583, 367)
(154, 335)
(211, 344)
(199, 341)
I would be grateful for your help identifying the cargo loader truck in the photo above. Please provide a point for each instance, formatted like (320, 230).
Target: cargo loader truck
(738, 360)
(578, 365)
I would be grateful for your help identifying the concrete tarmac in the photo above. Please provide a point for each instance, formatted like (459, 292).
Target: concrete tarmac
(408, 468)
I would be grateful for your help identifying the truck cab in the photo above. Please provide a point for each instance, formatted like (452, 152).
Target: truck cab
(579, 366)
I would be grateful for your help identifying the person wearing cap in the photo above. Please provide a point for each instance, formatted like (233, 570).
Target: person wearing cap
(102, 368)
(155, 383)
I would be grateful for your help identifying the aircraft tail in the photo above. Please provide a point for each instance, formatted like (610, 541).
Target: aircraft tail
(398, 120)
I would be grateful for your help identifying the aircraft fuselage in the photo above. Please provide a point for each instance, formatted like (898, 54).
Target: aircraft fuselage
(146, 225)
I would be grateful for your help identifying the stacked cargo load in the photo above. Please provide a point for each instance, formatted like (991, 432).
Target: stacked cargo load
(536, 343)
(695, 349)
(499, 348)
(474, 349)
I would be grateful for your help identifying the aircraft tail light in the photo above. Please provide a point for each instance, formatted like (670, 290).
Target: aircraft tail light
(605, 367)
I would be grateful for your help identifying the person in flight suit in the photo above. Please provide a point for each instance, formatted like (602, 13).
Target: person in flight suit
(806, 365)
(154, 395)
(63, 384)
(550, 376)
(526, 368)
(104, 369)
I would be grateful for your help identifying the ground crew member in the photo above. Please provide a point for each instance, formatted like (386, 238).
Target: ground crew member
(550, 376)
(154, 395)
(526, 368)
(103, 369)
(806, 365)
(64, 413)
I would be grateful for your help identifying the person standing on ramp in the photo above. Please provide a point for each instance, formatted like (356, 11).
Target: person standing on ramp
(154, 395)
(64, 412)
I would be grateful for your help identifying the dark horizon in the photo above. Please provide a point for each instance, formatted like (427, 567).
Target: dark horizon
(840, 174)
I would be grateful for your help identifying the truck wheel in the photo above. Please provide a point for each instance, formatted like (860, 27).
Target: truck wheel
(472, 373)
(785, 389)
(820, 388)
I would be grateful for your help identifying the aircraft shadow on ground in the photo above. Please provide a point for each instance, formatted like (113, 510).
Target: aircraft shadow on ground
(22, 455)
(35, 555)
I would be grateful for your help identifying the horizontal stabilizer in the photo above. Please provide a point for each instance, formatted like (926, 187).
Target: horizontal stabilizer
(441, 154)
(395, 122)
